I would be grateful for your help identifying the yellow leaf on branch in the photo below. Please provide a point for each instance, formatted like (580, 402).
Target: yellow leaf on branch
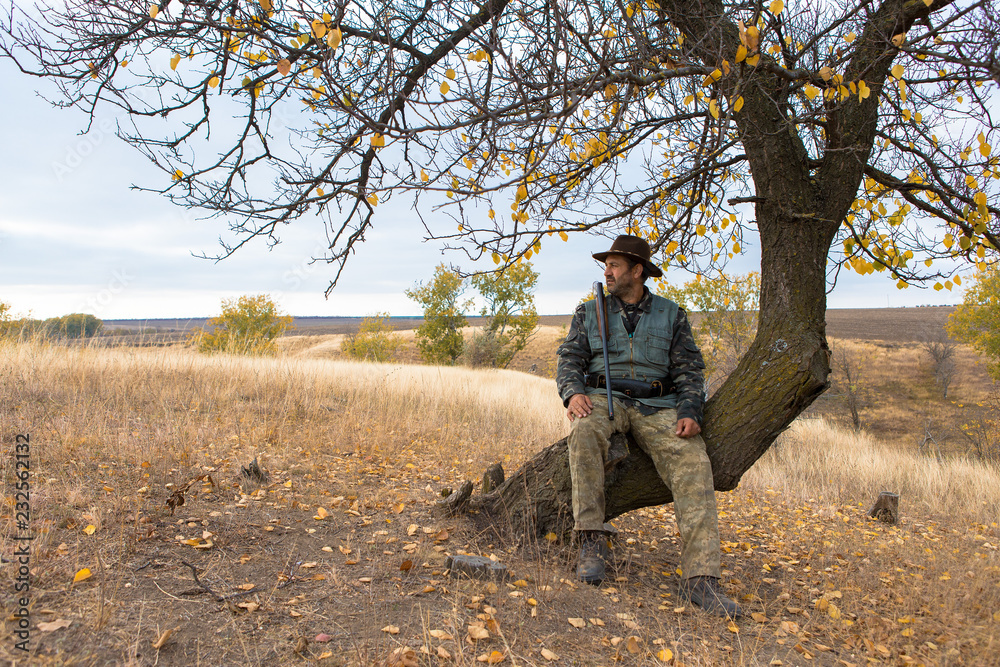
(713, 77)
(333, 38)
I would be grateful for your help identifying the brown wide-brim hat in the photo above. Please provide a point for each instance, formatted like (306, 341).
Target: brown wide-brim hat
(633, 247)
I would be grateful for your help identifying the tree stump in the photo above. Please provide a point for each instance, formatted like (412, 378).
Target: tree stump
(886, 508)
(492, 478)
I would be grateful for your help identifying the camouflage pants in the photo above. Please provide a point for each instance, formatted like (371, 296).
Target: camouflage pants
(681, 463)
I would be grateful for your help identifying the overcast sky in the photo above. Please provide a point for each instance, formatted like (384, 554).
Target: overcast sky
(75, 238)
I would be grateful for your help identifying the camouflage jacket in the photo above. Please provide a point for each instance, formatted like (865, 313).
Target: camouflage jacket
(686, 364)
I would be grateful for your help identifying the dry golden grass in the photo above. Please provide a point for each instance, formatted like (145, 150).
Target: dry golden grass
(372, 445)
(833, 466)
(162, 404)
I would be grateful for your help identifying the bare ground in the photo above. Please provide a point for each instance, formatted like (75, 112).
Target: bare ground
(366, 584)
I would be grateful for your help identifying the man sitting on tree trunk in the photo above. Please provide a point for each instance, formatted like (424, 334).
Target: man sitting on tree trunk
(658, 389)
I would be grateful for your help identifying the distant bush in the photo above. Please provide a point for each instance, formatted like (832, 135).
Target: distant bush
(6, 321)
(510, 314)
(483, 350)
(374, 341)
(440, 336)
(74, 325)
(249, 325)
(976, 321)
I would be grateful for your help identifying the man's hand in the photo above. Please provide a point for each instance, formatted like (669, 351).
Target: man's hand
(580, 405)
(686, 427)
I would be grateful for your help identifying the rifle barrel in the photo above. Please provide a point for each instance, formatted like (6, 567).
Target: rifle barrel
(605, 332)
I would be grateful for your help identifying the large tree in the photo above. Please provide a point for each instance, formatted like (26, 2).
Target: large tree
(847, 135)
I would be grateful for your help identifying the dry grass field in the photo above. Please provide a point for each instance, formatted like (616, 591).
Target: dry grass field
(337, 558)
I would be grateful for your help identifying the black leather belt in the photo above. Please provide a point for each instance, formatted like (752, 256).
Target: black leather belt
(632, 388)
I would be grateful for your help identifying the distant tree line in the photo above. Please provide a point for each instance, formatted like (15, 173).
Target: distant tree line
(74, 325)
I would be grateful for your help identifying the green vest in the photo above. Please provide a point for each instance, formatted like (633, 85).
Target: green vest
(643, 356)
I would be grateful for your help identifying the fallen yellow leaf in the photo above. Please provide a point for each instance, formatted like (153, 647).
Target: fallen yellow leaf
(57, 624)
(81, 575)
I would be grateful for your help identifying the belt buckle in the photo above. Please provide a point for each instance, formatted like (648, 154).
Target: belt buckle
(657, 386)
